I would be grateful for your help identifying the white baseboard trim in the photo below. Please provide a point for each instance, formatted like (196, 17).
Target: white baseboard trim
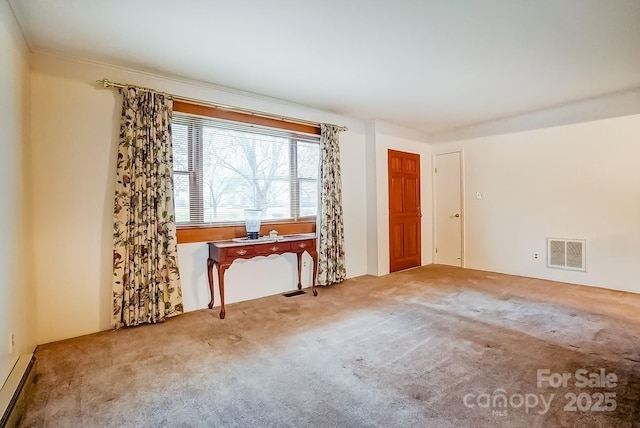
(14, 389)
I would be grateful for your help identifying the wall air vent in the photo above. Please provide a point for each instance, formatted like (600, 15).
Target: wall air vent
(566, 254)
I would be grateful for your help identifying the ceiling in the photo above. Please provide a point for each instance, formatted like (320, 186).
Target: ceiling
(428, 65)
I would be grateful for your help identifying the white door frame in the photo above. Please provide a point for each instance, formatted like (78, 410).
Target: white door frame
(463, 223)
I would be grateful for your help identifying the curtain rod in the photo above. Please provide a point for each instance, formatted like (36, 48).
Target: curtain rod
(105, 83)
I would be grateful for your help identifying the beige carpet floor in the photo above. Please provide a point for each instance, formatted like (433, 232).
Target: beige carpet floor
(429, 347)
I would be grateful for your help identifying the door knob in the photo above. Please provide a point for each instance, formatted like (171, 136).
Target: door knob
(457, 215)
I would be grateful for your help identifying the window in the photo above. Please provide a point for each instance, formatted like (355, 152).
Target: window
(222, 167)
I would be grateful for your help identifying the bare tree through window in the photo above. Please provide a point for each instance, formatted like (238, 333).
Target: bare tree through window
(242, 169)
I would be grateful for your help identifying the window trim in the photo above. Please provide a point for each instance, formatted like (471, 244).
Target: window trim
(190, 234)
(224, 231)
(235, 116)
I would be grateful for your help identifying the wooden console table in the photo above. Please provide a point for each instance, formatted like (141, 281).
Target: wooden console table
(224, 253)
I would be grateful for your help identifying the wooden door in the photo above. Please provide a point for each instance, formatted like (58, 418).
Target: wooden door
(448, 209)
(405, 215)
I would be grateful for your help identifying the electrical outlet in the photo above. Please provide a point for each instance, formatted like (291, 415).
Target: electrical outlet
(304, 263)
(535, 256)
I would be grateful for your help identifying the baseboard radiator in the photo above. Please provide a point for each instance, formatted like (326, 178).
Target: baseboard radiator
(13, 393)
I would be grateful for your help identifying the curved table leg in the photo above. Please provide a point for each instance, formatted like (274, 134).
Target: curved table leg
(314, 256)
(210, 264)
(222, 267)
(299, 254)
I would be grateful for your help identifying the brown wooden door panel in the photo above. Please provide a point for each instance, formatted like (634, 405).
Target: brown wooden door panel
(410, 165)
(395, 163)
(397, 236)
(395, 194)
(411, 203)
(412, 248)
(404, 210)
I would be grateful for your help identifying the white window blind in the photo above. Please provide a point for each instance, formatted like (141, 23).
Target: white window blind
(222, 168)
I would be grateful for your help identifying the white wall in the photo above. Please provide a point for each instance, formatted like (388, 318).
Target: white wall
(384, 137)
(372, 199)
(74, 132)
(617, 104)
(576, 181)
(17, 311)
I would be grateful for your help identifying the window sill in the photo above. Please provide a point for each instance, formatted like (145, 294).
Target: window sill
(191, 234)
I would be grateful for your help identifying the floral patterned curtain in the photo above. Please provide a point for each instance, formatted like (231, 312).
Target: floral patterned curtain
(331, 268)
(146, 281)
